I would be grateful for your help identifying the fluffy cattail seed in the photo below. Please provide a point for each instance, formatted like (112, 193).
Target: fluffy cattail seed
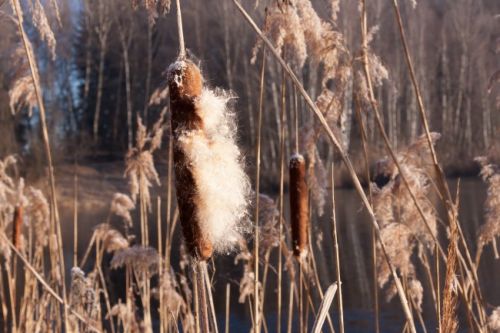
(185, 84)
(17, 225)
(299, 205)
(212, 188)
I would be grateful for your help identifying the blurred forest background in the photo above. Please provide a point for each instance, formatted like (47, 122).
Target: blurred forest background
(106, 58)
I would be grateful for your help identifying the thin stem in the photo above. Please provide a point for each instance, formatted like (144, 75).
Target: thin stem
(75, 218)
(208, 287)
(337, 257)
(281, 195)
(228, 299)
(257, 198)
(182, 47)
(301, 301)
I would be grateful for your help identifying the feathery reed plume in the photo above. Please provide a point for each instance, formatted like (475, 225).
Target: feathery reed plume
(449, 323)
(111, 239)
(494, 320)
(154, 8)
(269, 236)
(140, 259)
(299, 205)
(172, 299)
(247, 282)
(82, 298)
(126, 315)
(491, 228)
(22, 94)
(402, 228)
(139, 163)
(121, 206)
(212, 188)
(39, 214)
(283, 27)
(41, 23)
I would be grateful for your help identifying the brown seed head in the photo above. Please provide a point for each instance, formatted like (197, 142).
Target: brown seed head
(185, 84)
(185, 80)
(299, 205)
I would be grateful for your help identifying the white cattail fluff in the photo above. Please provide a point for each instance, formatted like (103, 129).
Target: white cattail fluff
(222, 187)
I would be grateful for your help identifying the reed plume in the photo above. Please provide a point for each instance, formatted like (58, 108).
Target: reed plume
(83, 298)
(494, 320)
(212, 188)
(299, 206)
(491, 228)
(121, 205)
(402, 229)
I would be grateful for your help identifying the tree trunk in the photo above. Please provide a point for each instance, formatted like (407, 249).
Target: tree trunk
(100, 81)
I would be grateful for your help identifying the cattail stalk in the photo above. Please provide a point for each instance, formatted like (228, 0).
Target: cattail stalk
(290, 306)
(257, 192)
(337, 257)
(299, 206)
(75, 218)
(281, 197)
(228, 300)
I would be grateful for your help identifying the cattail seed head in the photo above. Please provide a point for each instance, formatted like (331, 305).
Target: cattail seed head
(185, 84)
(212, 188)
(299, 205)
(17, 225)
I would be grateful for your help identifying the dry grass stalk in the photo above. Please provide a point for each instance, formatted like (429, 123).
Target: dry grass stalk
(449, 323)
(299, 206)
(212, 188)
(324, 308)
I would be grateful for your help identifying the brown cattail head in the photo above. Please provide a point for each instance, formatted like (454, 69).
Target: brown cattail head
(185, 84)
(299, 205)
(17, 226)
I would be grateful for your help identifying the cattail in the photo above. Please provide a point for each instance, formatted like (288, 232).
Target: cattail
(299, 205)
(185, 84)
(212, 188)
(17, 225)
